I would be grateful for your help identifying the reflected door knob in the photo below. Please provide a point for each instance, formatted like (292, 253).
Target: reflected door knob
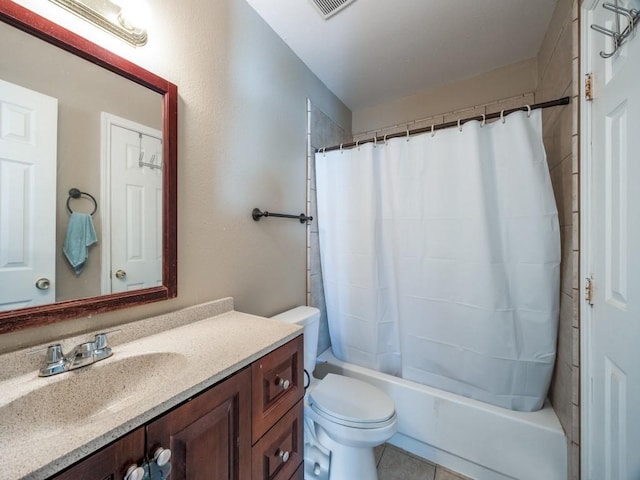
(121, 274)
(43, 284)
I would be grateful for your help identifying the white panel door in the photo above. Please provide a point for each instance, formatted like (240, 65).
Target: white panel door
(612, 433)
(28, 144)
(136, 215)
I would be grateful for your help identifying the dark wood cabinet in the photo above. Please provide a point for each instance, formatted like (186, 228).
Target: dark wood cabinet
(209, 436)
(110, 463)
(247, 427)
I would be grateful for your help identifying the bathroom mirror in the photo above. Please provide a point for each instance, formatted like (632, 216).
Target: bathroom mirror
(61, 99)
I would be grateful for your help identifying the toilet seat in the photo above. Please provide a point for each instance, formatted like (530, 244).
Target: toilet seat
(353, 403)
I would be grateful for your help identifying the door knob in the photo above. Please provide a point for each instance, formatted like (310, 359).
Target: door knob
(43, 284)
(121, 274)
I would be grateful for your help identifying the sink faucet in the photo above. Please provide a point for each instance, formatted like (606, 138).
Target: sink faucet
(80, 356)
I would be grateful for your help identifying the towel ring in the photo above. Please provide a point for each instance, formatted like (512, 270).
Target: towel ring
(75, 194)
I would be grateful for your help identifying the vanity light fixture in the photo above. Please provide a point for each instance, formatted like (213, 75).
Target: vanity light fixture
(111, 16)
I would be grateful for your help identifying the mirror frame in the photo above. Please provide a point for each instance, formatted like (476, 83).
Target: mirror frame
(18, 319)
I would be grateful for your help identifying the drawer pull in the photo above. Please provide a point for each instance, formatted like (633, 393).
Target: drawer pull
(134, 472)
(284, 455)
(285, 384)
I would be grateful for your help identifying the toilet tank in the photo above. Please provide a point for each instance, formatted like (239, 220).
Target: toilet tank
(309, 319)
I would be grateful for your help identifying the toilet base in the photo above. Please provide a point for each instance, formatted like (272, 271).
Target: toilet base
(348, 463)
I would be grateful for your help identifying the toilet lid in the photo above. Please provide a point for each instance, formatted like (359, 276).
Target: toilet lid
(351, 400)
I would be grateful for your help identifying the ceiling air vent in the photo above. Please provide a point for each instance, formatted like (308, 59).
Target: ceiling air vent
(328, 8)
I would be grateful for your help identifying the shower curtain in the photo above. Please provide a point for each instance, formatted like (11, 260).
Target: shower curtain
(440, 258)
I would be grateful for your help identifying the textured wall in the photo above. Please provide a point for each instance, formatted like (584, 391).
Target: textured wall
(505, 82)
(241, 144)
(558, 77)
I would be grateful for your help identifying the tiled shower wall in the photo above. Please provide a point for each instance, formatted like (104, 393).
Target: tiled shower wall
(558, 76)
(321, 132)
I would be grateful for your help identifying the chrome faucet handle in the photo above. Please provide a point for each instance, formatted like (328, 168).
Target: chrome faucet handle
(54, 361)
(54, 354)
(101, 349)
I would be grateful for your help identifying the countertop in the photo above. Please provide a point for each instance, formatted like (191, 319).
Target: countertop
(171, 366)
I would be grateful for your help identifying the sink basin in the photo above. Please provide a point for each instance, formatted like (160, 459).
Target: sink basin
(86, 394)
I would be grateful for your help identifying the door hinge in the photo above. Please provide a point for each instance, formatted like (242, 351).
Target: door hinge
(588, 290)
(588, 86)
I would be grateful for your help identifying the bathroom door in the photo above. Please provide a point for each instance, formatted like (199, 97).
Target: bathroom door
(28, 154)
(135, 163)
(611, 202)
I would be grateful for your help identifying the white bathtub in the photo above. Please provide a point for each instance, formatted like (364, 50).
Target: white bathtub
(468, 436)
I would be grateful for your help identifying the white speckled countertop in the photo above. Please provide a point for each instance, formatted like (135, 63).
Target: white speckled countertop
(41, 435)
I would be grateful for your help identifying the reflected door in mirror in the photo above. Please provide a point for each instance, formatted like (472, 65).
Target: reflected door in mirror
(135, 171)
(28, 156)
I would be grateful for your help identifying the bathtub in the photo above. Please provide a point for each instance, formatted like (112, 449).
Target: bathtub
(471, 437)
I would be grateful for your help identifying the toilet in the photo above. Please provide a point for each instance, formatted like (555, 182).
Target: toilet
(344, 419)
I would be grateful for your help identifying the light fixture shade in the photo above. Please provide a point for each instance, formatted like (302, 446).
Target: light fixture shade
(107, 15)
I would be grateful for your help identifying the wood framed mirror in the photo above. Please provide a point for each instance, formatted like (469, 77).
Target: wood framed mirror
(21, 21)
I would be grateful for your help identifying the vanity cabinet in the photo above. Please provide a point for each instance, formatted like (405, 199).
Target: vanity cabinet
(277, 429)
(110, 463)
(209, 436)
(247, 427)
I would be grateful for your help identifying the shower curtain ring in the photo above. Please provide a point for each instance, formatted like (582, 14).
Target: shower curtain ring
(502, 116)
(484, 120)
(407, 134)
(528, 110)
(433, 130)
(358, 145)
(341, 151)
(459, 125)
(385, 139)
(324, 152)
(375, 140)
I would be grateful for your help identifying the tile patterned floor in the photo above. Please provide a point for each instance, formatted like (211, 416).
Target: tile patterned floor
(396, 464)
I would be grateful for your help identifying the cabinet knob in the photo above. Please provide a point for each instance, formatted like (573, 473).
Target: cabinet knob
(162, 456)
(284, 383)
(284, 455)
(134, 472)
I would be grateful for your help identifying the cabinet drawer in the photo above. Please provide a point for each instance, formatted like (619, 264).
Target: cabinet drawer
(278, 454)
(277, 380)
(299, 475)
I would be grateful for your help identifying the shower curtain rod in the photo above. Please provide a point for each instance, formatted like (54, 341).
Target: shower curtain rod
(551, 103)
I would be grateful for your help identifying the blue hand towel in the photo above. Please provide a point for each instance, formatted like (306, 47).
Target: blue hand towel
(80, 235)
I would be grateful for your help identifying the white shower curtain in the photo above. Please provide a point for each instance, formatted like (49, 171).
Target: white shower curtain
(440, 258)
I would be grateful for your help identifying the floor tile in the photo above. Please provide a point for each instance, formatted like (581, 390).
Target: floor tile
(377, 453)
(398, 465)
(445, 474)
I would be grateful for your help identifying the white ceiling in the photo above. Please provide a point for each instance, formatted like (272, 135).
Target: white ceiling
(378, 50)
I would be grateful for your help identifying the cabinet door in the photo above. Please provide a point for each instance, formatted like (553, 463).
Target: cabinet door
(209, 435)
(277, 385)
(111, 462)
